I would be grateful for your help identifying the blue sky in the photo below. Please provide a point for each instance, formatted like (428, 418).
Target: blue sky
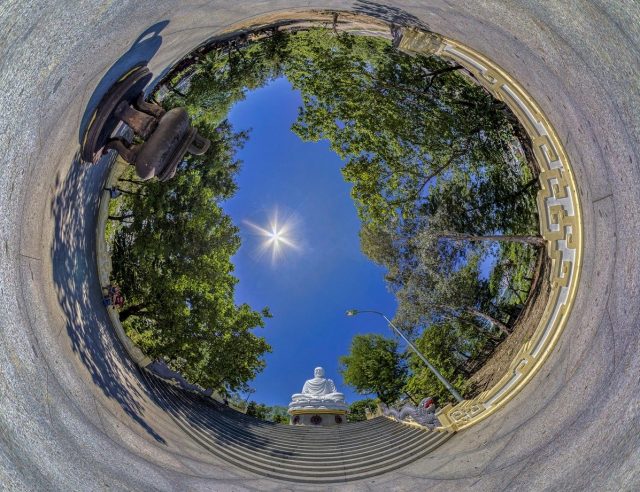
(309, 288)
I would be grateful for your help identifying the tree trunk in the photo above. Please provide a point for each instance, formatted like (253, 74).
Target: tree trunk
(492, 343)
(411, 397)
(441, 71)
(434, 174)
(517, 293)
(134, 181)
(464, 356)
(131, 310)
(489, 336)
(176, 91)
(465, 373)
(126, 192)
(499, 324)
(120, 218)
(459, 236)
(510, 198)
(434, 75)
(524, 188)
(461, 365)
(525, 142)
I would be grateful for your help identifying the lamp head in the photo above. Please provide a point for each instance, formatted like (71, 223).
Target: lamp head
(352, 312)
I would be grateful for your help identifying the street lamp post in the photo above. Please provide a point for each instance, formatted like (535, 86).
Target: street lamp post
(452, 390)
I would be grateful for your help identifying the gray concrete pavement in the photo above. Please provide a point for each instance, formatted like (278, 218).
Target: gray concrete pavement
(73, 414)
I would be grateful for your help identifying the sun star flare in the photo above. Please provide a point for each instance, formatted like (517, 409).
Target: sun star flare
(277, 236)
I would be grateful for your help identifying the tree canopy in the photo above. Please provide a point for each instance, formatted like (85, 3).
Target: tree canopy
(440, 179)
(449, 346)
(172, 257)
(374, 365)
(276, 413)
(358, 409)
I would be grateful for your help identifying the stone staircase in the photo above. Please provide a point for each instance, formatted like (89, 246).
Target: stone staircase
(318, 455)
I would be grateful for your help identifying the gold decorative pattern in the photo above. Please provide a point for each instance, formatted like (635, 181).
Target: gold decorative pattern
(560, 224)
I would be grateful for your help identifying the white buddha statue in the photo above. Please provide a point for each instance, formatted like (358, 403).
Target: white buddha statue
(318, 392)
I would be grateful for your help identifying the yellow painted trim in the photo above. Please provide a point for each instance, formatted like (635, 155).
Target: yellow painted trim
(560, 224)
(127, 74)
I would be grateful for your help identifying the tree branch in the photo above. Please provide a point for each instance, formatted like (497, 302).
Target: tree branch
(132, 310)
(459, 236)
(499, 324)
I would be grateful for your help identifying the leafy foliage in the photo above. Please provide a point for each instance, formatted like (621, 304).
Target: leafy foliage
(451, 346)
(224, 76)
(276, 413)
(257, 410)
(441, 183)
(374, 366)
(357, 410)
(172, 258)
(436, 169)
(401, 123)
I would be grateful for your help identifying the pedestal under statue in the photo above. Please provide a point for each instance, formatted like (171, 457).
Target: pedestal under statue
(319, 403)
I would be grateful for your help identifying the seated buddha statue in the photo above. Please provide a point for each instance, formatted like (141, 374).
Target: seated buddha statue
(318, 392)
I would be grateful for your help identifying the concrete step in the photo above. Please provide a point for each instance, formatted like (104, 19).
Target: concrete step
(334, 475)
(295, 463)
(302, 449)
(300, 454)
(366, 450)
(339, 435)
(302, 446)
(281, 428)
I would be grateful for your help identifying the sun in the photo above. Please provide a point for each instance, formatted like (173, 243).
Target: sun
(278, 236)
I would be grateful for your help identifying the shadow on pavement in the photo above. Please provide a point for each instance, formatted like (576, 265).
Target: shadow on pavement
(75, 276)
(215, 423)
(392, 15)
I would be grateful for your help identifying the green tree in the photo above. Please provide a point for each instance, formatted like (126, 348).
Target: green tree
(434, 290)
(511, 278)
(225, 75)
(280, 419)
(257, 410)
(278, 414)
(401, 123)
(446, 348)
(430, 155)
(431, 280)
(374, 366)
(172, 259)
(357, 410)
(440, 181)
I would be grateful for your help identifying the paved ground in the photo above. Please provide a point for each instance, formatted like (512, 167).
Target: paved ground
(73, 415)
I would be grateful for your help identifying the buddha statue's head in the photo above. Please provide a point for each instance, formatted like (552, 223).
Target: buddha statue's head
(318, 372)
